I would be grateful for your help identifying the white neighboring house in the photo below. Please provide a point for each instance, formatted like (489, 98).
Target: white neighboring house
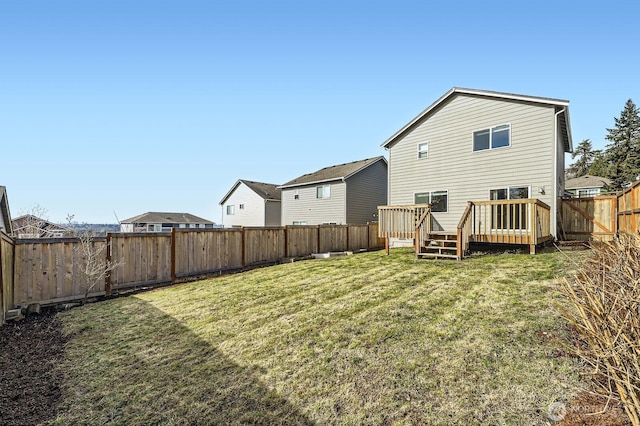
(5, 214)
(250, 203)
(586, 186)
(163, 222)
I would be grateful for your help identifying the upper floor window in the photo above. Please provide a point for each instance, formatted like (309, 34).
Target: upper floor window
(231, 209)
(323, 191)
(241, 206)
(296, 195)
(494, 137)
(423, 150)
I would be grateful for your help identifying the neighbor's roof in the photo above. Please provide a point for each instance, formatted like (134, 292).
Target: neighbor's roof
(338, 172)
(29, 220)
(4, 209)
(161, 217)
(268, 191)
(564, 117)
(587, 181)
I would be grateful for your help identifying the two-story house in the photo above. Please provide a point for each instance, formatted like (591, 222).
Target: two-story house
(341, 194)
(250, 203)
(490, 165)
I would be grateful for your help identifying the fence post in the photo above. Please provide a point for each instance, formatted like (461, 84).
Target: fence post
(286, 241)
(318, 248)
(347, 249)
(107, 278)
(173, 255)
(2, 296)
(243, 247)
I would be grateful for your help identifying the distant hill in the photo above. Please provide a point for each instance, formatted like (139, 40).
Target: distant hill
(98, 229)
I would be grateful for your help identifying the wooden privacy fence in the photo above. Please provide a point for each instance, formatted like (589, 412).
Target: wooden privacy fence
(49, 271)
(628, 207)
(583, 219)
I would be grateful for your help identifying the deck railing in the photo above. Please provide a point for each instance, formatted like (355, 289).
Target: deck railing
(401, 221)
(525, 221)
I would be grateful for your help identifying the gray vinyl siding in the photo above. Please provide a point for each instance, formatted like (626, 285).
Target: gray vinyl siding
(365, 192)
(253, 213)
(272, 213)
(468, 176)
(314, 210)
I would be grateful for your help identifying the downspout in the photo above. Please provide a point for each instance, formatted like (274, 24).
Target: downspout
(555, 171)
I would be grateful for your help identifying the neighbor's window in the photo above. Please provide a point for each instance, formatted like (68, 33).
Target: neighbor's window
(439, 200)
(323, 191)
(423, 150)
(299, 222)
(241, 206)
(231, 209)
(495, 137)
(296, 195)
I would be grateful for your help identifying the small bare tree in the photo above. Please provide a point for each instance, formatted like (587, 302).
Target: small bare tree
(95, 266)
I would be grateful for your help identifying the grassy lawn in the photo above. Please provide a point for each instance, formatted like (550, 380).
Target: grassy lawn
(363, 339)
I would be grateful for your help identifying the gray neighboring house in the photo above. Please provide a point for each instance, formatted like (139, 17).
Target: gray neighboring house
(586, 186)
(5, 213)
(477, 145)
(342, 194)
(163, 222)
(250, 203)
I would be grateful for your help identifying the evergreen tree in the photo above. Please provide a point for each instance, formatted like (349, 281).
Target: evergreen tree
(586, 155)
(623, 153)
(599, 165)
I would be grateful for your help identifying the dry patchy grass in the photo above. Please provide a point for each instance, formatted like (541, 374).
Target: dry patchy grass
(365, 339)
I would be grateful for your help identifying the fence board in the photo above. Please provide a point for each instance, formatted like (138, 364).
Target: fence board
(141, 259)
(589, 218)
(332, 238)
(629, 209)
(358, 237)
(263, 245)
(6, 274)
(301, 240)
(43, 270)
(204, 251)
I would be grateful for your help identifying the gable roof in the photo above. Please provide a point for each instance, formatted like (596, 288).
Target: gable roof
(32, 223)
(558, 103)
(163, 217)
(4, 209)
(587, 181)
(268, 191)
(337, 172)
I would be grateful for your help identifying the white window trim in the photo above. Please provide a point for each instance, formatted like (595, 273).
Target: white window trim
(328, 186)
(425, 151)
(231, 207)
(431, 192)
(508, 188)
(490, 138)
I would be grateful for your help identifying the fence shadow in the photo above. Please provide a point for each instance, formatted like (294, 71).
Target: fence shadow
(134, 364)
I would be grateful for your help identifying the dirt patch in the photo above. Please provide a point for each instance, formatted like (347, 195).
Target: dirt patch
(29, 352)
(580, 412)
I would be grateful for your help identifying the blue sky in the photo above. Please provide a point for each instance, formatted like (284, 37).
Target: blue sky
(135, 106)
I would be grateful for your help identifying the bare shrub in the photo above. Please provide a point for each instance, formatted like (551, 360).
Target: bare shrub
(603, 303)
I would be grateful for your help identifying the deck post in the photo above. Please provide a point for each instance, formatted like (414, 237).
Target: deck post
(386, 245)
(532, 230)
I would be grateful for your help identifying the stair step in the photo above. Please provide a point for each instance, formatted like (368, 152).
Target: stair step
(442, 242)
(428, 247)
(438, 255)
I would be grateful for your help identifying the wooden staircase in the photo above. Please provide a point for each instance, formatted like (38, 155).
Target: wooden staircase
(439, 245)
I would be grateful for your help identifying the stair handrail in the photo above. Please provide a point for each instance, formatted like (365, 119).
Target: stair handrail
(421, 230)
(464, 230)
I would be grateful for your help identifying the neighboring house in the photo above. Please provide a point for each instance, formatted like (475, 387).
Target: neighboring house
(5, 214)
(342, 194)
(250, 203)
(586, 186)
(30, 226)
(163, 222)
(475, 145)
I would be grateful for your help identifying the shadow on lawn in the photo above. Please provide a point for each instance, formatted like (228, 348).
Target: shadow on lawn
(144, 367)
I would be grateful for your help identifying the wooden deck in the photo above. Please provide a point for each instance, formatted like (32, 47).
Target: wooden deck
(523, 222)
